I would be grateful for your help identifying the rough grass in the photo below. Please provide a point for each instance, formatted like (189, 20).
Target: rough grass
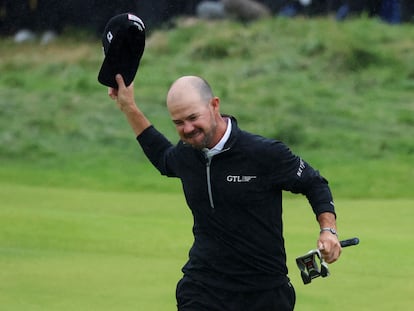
(340, 94)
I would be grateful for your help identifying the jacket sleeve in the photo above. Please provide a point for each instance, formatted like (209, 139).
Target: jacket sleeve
(158, 149)
(297, 176)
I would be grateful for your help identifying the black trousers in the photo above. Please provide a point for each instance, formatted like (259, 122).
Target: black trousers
(195, 296)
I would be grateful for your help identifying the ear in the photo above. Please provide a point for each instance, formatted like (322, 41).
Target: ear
(215, 103)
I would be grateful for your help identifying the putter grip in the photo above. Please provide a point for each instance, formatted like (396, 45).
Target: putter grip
(349, 242)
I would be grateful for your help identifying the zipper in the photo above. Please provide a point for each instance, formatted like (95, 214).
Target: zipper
(210, 193)
(208, 171)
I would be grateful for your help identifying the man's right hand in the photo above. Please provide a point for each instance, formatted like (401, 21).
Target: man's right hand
(124, 97)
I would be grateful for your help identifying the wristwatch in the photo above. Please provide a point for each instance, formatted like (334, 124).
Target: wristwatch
(331, 230)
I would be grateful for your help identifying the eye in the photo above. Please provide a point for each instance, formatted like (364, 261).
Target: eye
(178, 122)
(192, 117)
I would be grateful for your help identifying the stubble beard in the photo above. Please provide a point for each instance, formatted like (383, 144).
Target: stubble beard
(207, 139)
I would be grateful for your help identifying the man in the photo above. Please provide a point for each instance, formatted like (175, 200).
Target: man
(233, 182)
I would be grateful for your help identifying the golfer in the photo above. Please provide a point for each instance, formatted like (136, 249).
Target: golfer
(232, 182)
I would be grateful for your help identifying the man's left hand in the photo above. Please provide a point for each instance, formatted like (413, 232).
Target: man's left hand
(329, 246)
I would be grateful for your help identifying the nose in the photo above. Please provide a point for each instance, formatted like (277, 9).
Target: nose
(188, 127)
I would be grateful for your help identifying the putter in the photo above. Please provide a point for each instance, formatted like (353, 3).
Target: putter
(308, 263)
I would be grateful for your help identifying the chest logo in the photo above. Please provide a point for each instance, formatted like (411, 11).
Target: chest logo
(240, 179)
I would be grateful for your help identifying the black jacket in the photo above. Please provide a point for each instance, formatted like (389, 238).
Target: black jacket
(236, 202)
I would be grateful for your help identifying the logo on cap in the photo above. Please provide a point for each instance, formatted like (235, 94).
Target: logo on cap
(137, 21)
(109, 36)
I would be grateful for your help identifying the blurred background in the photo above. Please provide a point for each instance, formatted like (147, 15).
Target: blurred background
(25, 18)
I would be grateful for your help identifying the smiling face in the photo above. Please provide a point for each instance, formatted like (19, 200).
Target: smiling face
(195, 112)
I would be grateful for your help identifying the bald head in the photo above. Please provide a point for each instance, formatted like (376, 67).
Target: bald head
(195, 112)
(189, 89)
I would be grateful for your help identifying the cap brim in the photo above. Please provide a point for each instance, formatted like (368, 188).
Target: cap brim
(123, 57)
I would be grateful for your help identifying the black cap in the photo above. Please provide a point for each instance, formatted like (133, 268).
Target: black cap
(123, 42)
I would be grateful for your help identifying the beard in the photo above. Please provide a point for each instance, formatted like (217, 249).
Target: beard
(206, 141)
(194, 141)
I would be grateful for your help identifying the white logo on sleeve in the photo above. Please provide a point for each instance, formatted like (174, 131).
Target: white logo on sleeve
(301, 168)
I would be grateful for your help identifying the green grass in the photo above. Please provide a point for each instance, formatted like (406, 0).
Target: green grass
(85, 250)
(340, 94)
(375, 275)
(92, 250)
(87, 224)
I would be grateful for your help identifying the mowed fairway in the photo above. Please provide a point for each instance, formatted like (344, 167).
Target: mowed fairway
(88, 250)
(81, 250)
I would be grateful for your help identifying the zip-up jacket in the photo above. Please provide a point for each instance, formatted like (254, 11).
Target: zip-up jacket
(236, 201)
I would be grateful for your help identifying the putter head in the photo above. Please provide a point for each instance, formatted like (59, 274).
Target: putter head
(309, 267)
(308, 263)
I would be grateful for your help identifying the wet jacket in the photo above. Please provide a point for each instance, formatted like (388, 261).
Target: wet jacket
(236, 201)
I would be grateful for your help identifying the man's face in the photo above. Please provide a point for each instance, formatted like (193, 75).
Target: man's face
(195, 123)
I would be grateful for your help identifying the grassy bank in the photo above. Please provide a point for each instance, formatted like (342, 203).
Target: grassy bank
(340, 94)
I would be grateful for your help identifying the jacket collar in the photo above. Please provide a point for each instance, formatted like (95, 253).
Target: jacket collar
(234, 132)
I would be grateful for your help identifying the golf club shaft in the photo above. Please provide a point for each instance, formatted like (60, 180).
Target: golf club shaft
(349, 242)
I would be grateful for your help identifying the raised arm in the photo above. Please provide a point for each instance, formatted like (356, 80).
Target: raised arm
(124, 97)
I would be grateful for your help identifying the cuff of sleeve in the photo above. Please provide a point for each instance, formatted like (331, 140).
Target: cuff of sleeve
(141, 137)
(324, 208)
